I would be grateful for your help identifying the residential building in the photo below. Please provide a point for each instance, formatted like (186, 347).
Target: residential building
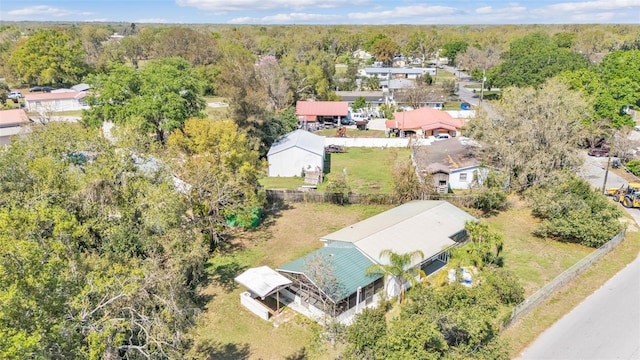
(296, 153)
(12, 122)
(423, 122)
(55, 102)
(332, 282)
(313, 115)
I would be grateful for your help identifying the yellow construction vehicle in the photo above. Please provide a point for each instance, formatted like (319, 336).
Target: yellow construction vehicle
(628, 196)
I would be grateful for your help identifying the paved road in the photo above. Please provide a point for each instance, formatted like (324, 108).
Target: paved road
(467, 95)
(605, 326)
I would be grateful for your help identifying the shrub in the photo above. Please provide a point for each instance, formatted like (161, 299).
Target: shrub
(633, 167)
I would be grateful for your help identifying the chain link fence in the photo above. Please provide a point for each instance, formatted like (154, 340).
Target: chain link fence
(539, 296)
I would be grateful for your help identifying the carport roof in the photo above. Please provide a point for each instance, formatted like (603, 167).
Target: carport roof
(322, 108)
(262, 280)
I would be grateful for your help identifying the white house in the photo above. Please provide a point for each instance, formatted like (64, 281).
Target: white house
(54, 102)
(466, 177)
(295, 153)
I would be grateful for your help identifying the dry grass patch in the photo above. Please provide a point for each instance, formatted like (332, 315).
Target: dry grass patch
(227, 329)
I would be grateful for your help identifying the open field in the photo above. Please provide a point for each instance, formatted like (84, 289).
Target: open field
(294, 231)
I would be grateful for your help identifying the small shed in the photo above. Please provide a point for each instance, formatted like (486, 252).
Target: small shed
(261, 282)
(295, 153)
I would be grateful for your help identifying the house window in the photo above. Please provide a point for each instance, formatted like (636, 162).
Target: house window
(463, 177)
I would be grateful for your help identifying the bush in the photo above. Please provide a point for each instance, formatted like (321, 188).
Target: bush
(571, 211)
(505, 285)
(633, 167)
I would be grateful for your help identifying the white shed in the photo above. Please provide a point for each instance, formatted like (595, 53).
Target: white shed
(297, 151)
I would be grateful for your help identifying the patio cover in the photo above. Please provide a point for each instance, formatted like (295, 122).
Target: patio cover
(262, 280)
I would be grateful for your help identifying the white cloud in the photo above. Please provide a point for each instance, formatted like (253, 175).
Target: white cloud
(245, 5)
(41, 10)
(291, 18)
(484, 10)
(403, 12)
(594, 6)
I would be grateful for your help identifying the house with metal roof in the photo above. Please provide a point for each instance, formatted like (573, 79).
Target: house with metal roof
(296, 153)
(332, 281)
(313, 115)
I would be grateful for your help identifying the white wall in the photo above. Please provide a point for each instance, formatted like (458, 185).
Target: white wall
(290, 162)
(254, 305)
(55, 105)
(454, 178)
(367, 142)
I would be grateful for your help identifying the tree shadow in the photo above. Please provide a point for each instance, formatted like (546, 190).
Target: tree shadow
(218, 351)
(224, 274)
(298, 355)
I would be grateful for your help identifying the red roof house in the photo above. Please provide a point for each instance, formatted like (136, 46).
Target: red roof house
(319, 112)
(425, 122)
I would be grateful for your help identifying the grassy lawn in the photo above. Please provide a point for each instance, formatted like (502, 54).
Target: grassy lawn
(369, 170)
(231, 330)
(533, 260)
(216, 112)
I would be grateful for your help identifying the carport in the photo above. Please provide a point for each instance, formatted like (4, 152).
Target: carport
(261, 282)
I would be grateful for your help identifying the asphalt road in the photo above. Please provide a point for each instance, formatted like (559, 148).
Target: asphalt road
(604, 326)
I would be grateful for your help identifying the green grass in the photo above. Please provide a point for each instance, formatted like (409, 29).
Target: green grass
(533, 260)
(369, 170)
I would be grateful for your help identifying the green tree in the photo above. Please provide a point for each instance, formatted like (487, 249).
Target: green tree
(220, 165)
(530, 151)
(452, 49)
(399, 271)
(100, 258)
(156, 100)
(571, 211)
(359, 103)
(385, 50)
(533, 59)
(422, 44)
(366, 334)
(49, 57)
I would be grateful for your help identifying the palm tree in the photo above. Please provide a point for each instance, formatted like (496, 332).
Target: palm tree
(398, 270)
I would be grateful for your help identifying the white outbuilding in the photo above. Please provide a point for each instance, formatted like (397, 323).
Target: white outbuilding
(295, 153)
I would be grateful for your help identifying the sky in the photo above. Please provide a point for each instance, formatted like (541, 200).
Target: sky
(328, 12)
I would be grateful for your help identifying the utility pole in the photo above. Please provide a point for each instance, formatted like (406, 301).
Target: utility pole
(484, 78)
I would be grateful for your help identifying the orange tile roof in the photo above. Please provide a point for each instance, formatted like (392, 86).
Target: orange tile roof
(322, 108)
(424, 118)
(14, 117)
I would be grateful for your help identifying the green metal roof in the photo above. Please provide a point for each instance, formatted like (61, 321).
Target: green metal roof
(348, 264)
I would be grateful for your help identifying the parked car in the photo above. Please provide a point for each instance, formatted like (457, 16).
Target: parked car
(443, 137)
(14, 95)
(41, 88)
(598, 151)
